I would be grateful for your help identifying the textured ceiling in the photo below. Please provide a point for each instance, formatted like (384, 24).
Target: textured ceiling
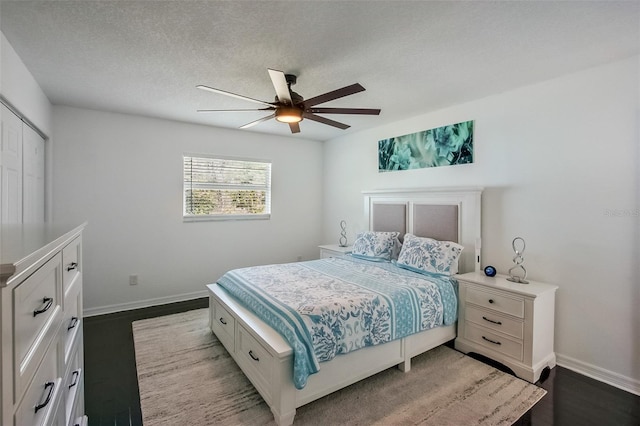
(146, 57)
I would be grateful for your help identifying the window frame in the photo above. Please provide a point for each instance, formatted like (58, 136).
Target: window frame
(226, 217)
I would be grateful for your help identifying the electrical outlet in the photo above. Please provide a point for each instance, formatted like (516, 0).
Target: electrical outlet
(133, 280)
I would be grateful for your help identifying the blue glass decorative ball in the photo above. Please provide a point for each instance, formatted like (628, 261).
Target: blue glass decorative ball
(490, 271)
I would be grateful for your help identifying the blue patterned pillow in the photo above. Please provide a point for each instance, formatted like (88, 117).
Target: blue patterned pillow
(428, 255)
(376, 246)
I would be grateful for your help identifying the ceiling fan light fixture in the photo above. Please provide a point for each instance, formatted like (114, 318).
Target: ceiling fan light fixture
(289, 115)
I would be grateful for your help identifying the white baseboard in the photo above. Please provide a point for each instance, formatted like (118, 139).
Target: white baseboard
(110, 309)
(609, 377)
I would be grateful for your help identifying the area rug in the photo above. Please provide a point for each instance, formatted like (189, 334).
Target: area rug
(186, 377)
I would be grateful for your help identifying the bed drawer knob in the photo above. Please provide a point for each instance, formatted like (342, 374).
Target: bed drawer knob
(490, 300)
(253, 357)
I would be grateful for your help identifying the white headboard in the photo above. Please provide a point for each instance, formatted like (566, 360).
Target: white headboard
(449, 214)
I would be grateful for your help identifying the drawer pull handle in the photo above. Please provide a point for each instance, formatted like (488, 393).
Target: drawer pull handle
(253, 357)
(492, 321)
(490, 300)
(491, 341)
(73, 323)
(51, 386)
(72, 266)
(75, 375)
(222, 320)
(46, 304)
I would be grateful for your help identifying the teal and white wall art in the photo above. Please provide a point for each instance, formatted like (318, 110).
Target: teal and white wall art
(443, 146)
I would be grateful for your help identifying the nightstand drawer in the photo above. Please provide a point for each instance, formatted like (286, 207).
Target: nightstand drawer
(497, 322)
(498, 302)
(498, 343)
(334, 250)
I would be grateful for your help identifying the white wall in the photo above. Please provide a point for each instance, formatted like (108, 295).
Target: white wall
(123, 174)
(18, 86)
(559, 161)
(21, 90)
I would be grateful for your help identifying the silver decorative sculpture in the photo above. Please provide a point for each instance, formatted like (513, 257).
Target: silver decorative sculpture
(343, 234)
(518, 260)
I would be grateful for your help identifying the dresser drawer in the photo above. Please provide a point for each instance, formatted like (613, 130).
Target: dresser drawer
(71, 261)
(81, 421)
(495, 301)
(223, 324)
(40, 402)
(489, 319)
(72, 316)
(495, 341)
(72, 385)
(251, 354)
(36, 318)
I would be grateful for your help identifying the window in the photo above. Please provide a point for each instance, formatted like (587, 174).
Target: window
(226, 188)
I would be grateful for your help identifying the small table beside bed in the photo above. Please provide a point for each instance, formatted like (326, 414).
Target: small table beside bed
(303, 330)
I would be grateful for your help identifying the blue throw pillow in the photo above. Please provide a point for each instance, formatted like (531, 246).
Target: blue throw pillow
(428, 255)
(377, 246)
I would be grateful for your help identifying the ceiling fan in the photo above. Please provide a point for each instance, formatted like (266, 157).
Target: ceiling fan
(291, 108)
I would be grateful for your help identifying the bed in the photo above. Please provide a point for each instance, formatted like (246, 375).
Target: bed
(272, 360)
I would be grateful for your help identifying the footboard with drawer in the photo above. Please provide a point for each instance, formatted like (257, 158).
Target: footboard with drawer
(267, 359)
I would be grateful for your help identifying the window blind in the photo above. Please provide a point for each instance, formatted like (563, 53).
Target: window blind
(226, 188)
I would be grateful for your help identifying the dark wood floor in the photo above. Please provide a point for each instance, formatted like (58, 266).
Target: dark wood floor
(111, 386)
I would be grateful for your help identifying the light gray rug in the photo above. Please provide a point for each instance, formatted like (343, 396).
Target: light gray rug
(186, 377)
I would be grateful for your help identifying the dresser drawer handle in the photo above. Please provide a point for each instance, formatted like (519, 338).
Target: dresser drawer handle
(75, 375)
(73, 323)
(490, 300)
(492, 321)
(253, 357)
(46, 304)
(222, 320)
(51, 386)
(491, 341)
(72, 266)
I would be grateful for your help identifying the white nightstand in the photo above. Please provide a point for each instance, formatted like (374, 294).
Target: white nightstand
(333, 250)
(507, 322)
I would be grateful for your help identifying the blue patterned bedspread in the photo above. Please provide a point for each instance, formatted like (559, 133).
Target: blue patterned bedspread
(332, 306)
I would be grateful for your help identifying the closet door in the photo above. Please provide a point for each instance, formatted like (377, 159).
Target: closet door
(10, 168)
(32, 176)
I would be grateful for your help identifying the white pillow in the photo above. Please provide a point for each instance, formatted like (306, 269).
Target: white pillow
(377, 246)
(428, 255)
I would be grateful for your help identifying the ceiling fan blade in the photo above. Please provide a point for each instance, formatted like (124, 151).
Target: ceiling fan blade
(280, 84)
(365, 111)
(324, 120)
(258, 121)
(233, 95)
(235, 110)
(335, 94)
(295, 127)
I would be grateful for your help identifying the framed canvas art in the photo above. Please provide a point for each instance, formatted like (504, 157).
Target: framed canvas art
(443, 146)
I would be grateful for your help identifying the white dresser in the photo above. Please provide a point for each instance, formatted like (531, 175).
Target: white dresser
(41, 319)
(508, 322)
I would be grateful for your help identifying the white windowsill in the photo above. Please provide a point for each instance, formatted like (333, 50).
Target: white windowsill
(216, 218)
